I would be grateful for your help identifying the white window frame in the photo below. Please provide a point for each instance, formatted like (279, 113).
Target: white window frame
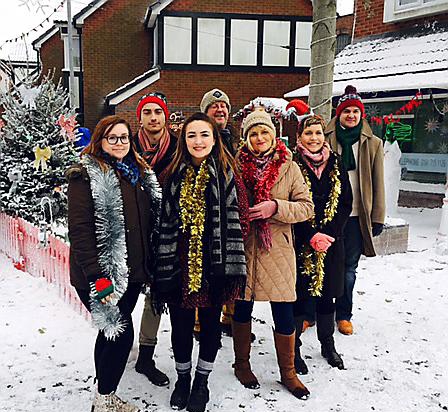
(393, 12)
(76, 48)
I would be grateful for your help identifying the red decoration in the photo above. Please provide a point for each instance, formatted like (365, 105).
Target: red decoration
(67, 126)
(395, 117)
(102, 284)
(20, 264)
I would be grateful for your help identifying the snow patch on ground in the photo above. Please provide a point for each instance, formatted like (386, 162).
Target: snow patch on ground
(396, 359)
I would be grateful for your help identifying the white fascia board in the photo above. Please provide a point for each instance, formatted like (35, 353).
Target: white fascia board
(135, 89)
(155, 10)
(80, 19)
(38, 44)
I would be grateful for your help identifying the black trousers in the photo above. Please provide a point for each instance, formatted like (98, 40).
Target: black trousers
(321, 305)
(182, 324)
(111, 355)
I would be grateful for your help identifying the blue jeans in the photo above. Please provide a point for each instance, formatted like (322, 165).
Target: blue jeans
(353, 248)
(282, 313)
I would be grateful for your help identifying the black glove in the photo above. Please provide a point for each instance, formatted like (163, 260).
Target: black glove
(377, 229)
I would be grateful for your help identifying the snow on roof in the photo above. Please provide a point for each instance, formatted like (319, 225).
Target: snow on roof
(391, 63)
(17, 52)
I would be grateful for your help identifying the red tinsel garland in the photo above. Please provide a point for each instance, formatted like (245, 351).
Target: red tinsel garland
(393, 117)
(261, 188)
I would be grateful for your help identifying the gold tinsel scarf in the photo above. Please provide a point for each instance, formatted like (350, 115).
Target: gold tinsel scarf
(192, 213)
(313, 261)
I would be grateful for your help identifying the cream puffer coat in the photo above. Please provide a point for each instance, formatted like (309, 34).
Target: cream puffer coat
(271, 276)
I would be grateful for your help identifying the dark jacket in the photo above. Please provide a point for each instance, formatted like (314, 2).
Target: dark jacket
(81, 222)
(303, 232)
(163, 164)
(229, 140)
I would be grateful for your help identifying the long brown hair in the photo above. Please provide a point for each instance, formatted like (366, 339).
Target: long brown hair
(103, 127)
(219, 151)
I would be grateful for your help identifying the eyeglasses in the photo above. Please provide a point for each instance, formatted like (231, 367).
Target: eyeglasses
(113, 139)
(161, 96)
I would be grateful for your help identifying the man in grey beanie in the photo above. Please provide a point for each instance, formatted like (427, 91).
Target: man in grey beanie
(216, 105)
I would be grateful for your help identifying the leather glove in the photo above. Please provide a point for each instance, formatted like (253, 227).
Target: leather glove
(102, 289)
(320, 242)
(377, 229)
(263, 210)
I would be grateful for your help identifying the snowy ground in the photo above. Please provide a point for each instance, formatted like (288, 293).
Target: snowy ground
(397, 359)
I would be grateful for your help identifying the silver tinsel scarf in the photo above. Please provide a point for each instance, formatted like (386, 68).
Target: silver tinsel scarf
(111, 239)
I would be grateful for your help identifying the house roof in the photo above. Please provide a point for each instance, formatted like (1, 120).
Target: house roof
(91, 8)
(133, 87)
(154, 10)
(394, 62)
(18, 53)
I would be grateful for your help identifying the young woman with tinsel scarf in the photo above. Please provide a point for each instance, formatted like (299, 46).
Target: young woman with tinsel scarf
(279, 198)
(319, 241)
(201, 262)
(113, 212)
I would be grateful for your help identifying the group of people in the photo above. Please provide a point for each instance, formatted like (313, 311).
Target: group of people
(206, 222)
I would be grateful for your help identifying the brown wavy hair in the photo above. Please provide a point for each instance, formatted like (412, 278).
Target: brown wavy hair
(310, 121)
(219, 151)
(103, 127)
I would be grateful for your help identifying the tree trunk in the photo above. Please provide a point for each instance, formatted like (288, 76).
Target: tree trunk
(323, 47)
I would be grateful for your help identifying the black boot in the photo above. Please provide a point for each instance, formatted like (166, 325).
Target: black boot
(299, 363)
(199, 396)
(145, 364)
(325, 331)
(181, 394)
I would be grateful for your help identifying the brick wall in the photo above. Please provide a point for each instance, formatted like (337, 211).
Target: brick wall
(52, 56)
(115, 49)
(369, 19)
(279, 7)
(344, 24)
(184, 89)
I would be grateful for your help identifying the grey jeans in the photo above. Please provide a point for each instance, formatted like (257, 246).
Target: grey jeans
(149, 325)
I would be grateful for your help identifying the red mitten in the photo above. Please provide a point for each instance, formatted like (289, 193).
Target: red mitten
(101, 288)
(320, 242)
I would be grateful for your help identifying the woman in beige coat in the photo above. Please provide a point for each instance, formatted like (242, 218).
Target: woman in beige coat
(279, 198)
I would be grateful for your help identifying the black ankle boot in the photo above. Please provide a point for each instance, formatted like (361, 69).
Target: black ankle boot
(325, 331)
(145, 364)
(179, 397)
(199, 396)
(333, 358)
(299, 363)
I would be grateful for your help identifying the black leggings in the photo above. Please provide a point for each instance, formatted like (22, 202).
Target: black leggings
(309, 306)
(182, 324)
(282, 313)
(111, 355)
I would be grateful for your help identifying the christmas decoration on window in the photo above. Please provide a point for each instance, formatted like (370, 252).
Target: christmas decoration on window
(409, 107)
(432, 125)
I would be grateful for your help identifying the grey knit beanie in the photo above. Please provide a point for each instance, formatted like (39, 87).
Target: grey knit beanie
(213, 96)
(257, 117)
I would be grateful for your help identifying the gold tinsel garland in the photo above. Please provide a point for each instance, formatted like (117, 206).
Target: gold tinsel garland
(313, 261)
(192, 214)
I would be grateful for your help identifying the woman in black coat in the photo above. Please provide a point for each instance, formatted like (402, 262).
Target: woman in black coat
(319, 241)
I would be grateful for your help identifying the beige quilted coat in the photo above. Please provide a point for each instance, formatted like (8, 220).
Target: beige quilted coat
(271, 276)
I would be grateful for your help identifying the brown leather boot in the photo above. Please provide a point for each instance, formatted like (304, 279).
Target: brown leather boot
(241, 346)
(284, 345)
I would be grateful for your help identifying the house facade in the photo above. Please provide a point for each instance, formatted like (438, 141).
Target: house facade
(182, 48)
(400, 48)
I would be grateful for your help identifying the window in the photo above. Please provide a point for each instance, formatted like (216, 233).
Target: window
(76, 53)
(177, 40)
(232, 41)
(211, 41)
(276, 41)
(303, 41)
(342, 40)
(243, 42)
(397, 10)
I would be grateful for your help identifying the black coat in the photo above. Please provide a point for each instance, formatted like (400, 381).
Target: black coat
(334, 261)
(162, 164)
